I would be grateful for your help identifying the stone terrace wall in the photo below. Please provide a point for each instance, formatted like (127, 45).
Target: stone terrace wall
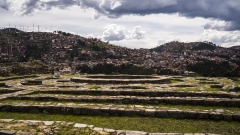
(107, 111)
(142, 93)
(17, 77)
(120, 81)
(139, 100)
(122, 77)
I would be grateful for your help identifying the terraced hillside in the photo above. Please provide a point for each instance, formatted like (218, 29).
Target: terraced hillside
(157, 98)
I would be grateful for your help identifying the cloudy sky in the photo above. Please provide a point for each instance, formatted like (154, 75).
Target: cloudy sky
(130, 23)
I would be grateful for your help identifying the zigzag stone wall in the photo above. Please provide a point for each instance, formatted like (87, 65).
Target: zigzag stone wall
(141, 100)
(143, 93)
(107, 111)
(162, 80)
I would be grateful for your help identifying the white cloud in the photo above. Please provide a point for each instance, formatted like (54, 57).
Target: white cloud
(113, 32)
(221, 26)
(139, 24)
(4, 4)
(96, 15)
(225, 10)
(137, 33)
(115, 4)
(222, 38)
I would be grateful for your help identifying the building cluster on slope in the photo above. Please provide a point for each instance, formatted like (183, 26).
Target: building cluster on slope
(69, 51)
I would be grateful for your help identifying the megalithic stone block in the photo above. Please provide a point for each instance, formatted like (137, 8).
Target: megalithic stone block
(5, 132)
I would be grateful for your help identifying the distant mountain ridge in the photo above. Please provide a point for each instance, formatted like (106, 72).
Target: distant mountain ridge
(11, 30)
(180, 46)
(73, 53)
(22, 46)
(237, 47)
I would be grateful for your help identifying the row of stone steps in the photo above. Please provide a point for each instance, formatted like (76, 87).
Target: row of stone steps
(156, 80)
(117, 101)
(18, 77)
(223, 110)
(117, 110)
(7, 90)
(149, 93)
(196, 101)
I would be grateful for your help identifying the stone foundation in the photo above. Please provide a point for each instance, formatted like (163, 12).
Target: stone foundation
(108, 111)
(138, 100)
(156, 80)
(143, 93)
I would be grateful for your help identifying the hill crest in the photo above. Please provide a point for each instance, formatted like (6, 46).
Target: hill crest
(176, 46)
(73, 53)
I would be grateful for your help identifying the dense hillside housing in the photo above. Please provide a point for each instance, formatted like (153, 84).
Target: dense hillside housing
(61, 51)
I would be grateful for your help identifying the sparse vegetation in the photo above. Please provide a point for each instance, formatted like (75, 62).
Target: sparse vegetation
(185, 107)
(237, 82)
(31, 67)
(214, 69)
(95, 87)
(138, 123)
(199, 86)
(111, 69)
(175, 81)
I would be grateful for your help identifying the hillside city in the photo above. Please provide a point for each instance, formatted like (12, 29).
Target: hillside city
(65, 52)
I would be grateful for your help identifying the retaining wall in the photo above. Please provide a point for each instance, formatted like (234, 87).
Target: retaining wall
(32, 82)
(4, 91)
(3, 84)
(107, 111)
(123, 76)
(139, 100)
(120, 81)
(142, 93)
(17, 77)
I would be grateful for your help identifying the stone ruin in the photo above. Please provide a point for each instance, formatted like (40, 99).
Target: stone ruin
(140, 96)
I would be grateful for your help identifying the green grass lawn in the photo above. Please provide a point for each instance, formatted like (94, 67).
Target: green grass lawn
(138, 123)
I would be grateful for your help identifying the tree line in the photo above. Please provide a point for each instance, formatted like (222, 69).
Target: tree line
(214, 69)
(112, 69)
